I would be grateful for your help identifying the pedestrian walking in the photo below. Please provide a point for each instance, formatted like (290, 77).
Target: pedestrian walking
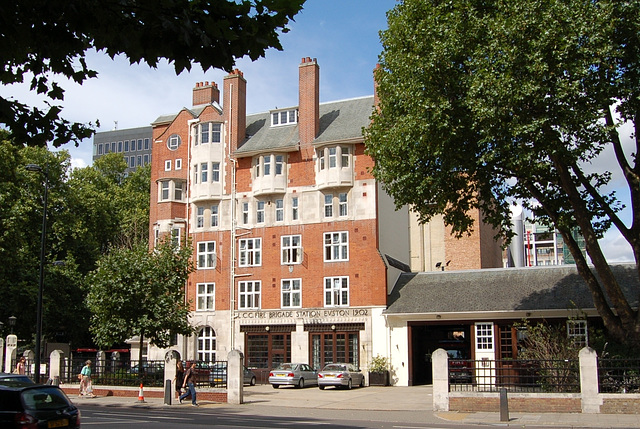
(20, 366)
(190, 383)
(179, 378)
(85, 381)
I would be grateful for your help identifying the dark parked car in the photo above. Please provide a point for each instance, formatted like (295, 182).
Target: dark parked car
(14, 380)
(37, 406)
(459, 366)
(218, 375)
(215, 374)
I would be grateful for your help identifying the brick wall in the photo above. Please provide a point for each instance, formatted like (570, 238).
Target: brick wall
(625, 404)
(214, 396)
(521, 404)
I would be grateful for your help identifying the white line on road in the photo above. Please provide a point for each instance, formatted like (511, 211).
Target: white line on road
(115, 422)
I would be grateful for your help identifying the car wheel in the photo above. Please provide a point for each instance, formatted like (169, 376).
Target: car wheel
(349, 384)
(301, 383)
(362, 382)
(252, 382)
(321, 387)
(275, 386)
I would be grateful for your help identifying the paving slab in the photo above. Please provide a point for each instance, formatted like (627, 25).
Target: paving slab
(383, 401)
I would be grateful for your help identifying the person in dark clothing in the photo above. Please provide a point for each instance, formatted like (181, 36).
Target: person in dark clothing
(190, 383)
(179, 378)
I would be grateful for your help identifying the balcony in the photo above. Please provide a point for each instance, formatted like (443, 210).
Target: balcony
(334, 178)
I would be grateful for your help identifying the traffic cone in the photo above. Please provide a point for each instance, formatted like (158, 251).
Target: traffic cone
(141, 394)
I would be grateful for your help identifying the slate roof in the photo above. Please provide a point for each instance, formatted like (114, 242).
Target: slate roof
(339, 120)
(508, 289)
(195, 112)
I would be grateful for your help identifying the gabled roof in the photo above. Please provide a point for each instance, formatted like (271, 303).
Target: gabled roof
(194, 111)
(339, 120)
(504, 289)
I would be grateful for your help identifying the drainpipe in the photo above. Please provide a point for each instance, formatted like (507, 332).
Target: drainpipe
(232, 268)
(190, 123)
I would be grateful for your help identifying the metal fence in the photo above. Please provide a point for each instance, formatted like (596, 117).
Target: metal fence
(127, 372)
(117, 373)
(210, 374)
(619, 375)
(551, 376)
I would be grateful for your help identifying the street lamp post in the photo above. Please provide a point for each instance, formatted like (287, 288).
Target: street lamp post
(35, 167)
(12, 323)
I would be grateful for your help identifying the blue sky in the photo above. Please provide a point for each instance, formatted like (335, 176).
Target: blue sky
(341, 34)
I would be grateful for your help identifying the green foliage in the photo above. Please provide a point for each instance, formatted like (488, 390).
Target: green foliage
(88, 210)
(111, 208)
(546, 342)
(45, 39)
(608, 347)
(135, 291)
(379, 364)
(485, 103)
(555, 356)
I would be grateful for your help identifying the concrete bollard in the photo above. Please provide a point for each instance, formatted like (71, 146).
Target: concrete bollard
(504, 405)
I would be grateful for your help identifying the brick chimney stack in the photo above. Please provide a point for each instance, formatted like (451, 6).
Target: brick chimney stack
(235, 107)
(376, 99)
(309, 101)
(205, 93)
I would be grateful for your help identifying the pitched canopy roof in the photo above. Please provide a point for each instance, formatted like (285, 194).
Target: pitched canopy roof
(504, 289)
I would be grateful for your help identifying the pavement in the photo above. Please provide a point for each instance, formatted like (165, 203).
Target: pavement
(380, 401)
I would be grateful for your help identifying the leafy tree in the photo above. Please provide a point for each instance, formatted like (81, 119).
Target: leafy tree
(109, 208)
(21, 197)
(41, 39)
(485, 103)
(88, 210)
(546, 342)
(555, 355)
(135, 291)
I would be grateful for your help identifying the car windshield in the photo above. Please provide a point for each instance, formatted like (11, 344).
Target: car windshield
(286, 367)
(44, 398)
(455, 354)
(334, 367)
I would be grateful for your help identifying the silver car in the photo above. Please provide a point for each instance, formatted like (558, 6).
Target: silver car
(340, 375)
(293, 374)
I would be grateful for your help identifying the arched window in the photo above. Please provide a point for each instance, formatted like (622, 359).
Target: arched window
(207, 345)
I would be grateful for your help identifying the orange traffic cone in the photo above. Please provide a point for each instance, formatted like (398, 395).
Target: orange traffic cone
(140, 394)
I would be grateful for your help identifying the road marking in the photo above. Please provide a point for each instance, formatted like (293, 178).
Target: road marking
(137, 416)
(118, 422)
(418, 427)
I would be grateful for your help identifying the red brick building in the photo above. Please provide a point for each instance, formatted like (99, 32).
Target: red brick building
(290, 232)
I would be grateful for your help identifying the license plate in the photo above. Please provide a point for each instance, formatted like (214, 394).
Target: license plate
(58, 423)
(330, 376)
(280, 375)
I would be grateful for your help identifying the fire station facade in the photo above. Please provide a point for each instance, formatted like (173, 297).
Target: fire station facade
(291, 235)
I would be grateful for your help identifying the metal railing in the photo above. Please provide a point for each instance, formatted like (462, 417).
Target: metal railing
(555, 376)
(117, 373)
(619, 375)
(211, 374)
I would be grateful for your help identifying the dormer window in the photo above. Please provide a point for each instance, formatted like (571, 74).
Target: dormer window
(284, 117)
